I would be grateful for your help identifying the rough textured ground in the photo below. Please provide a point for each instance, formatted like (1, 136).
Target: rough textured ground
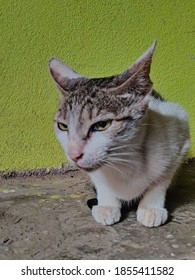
(48, 218)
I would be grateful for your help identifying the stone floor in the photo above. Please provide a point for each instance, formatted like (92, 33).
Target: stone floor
(48, 217)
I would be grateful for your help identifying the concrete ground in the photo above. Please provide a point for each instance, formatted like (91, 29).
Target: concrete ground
(47, 217)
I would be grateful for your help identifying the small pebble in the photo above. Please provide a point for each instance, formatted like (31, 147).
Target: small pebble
(169, 236)
(9, 191)
(175, 245)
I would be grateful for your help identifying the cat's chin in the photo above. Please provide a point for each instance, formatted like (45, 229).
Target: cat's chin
(85, 168)
(89, 169)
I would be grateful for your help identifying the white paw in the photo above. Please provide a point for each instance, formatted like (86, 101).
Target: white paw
(106, 215)
(152, 217)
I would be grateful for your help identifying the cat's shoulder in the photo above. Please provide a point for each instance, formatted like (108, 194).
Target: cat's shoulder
(167, 108)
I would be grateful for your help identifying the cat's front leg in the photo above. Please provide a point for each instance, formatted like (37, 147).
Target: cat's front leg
(151, 211)
(108, 210)
(106, 215)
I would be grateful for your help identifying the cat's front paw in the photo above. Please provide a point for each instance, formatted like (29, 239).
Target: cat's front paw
(106, 215)
(152, 217)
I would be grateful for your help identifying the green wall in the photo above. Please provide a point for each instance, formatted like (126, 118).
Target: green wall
(96, 38)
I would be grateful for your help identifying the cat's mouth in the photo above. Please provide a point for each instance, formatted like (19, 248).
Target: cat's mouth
(89, 168)
(85, 167)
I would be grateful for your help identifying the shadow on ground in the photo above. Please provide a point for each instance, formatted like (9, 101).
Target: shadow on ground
(49, 218)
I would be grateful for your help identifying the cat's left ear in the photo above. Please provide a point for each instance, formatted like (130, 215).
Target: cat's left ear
(62, 74)
(135, 79)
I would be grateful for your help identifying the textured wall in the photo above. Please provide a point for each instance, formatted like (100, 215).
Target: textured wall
(96, 38)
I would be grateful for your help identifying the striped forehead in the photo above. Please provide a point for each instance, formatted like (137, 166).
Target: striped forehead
(80, 113)
(85, 103)
(80, 119)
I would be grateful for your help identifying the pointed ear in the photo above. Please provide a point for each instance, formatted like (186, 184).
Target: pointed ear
(61, 73)
(137, 77)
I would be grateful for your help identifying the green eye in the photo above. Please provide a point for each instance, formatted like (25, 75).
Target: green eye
(101, 126)
(62, 126)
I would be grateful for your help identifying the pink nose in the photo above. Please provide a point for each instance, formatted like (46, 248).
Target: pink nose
(75, 153)
(75, 150)
(76, 157)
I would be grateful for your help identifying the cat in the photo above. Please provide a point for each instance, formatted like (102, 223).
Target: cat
(124, 135)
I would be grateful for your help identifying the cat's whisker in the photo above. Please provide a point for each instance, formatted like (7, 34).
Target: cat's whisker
(124, 154)
(130, 148)
(122, 160)
(126, 166)
(126, 157)
(116, 169)
(129, 163)
(124, 146)
(113, 166)
(135, 153)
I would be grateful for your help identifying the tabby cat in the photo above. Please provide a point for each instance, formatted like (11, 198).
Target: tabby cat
(124, 135)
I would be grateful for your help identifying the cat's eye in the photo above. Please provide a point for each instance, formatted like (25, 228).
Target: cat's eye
(62, 126)
(101, 126)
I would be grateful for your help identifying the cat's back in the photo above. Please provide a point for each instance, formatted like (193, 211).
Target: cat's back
(167, 126)
(167, 134)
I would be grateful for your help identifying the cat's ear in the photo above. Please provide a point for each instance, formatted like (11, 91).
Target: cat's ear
(62, 75)
(136, 78)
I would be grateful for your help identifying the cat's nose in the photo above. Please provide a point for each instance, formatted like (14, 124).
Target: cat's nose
(75, 155)
(75, 158)
(75, 150)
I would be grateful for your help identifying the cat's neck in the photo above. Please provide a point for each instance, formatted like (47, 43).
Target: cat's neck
(139, 139)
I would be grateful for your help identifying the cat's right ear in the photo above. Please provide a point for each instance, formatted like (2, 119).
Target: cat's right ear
(62, 75)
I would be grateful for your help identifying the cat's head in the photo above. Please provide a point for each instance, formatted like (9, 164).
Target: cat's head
(98, 117)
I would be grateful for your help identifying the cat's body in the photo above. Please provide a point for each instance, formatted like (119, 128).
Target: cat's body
(124, 135)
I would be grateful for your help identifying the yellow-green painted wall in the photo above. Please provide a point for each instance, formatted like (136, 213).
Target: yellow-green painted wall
(96, 38)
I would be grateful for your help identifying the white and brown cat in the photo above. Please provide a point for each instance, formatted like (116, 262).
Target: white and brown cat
(128, 139)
